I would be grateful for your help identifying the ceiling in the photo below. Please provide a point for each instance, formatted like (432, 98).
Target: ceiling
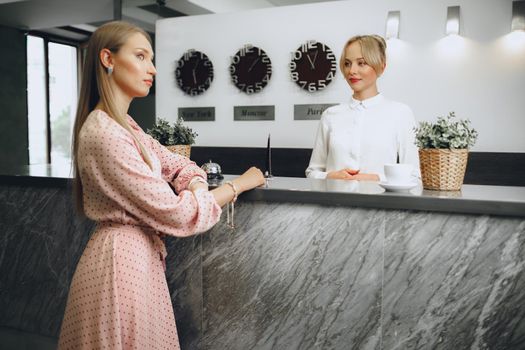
(77, 19)
(146, 12)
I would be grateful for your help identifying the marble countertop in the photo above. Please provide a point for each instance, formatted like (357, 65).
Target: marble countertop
(40, 175)
(473, 199)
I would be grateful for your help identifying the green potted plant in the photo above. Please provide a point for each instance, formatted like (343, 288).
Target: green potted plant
(177, 138)
(443, 151)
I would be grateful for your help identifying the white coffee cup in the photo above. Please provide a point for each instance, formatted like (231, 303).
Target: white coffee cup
(398, 173)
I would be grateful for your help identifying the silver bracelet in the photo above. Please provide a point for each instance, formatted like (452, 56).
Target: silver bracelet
(230, 206)
(197, 179)
(235, 192)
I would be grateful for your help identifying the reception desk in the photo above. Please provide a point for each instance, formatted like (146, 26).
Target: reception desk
(311, 264)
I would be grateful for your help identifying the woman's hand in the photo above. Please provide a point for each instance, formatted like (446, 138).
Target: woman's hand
(251, 178)
(365, 177)
(343, 174)
(351, 174)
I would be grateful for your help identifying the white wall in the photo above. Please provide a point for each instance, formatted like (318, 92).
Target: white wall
(479, 75)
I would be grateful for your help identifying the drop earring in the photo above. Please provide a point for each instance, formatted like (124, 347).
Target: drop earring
(110, 70)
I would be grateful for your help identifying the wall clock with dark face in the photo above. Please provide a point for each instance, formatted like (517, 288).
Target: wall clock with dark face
(194, 72)
(313, 66)
(250, 69)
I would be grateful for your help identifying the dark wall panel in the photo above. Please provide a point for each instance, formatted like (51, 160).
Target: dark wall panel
(13, 102)
(483, 168)
(143, 111)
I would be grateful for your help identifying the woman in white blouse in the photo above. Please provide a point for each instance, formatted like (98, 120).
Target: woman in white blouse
(356, 139)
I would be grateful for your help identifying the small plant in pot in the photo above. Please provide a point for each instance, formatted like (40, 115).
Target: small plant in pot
(443, 151)
(177, 138)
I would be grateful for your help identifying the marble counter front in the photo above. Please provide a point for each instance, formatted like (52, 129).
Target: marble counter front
(311, 265)
(305, 276)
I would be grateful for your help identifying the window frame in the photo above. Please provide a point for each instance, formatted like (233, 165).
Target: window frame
(49, 38)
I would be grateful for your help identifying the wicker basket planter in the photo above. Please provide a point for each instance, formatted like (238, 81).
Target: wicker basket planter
(443, 169)
(183, 150)
(179, 136)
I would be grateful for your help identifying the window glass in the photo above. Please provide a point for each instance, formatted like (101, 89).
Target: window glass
(36, 101)
(62, 100)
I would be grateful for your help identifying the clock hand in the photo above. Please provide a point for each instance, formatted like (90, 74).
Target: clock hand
(193, 72)
(315, 57)
(253, 64)
(309, 59)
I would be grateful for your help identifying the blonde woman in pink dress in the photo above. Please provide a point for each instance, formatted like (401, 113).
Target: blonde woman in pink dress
(119, 297)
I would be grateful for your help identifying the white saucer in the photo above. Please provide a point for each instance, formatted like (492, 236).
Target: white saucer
(398, 187)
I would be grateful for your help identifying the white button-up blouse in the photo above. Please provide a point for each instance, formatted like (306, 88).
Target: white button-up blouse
(364, 135)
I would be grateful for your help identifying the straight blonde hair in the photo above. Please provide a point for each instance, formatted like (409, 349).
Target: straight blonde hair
(95, 87)
(374, 51)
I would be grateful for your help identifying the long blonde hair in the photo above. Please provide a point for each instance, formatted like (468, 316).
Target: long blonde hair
(95, 87)
(373, 48)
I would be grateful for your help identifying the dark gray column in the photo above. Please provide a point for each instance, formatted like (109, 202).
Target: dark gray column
(14, 142)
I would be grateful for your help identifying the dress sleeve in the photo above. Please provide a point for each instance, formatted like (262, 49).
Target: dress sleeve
(317, 167)
(176, 169)
(114, 167)
(407, 149)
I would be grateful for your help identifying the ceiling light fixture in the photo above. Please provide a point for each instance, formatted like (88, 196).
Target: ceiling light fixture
(392, 24)
(518, 16)
(452, 27)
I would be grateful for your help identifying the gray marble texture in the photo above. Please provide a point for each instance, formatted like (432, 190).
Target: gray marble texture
(184, 276)
(313, 277)
(453, 282)
(293, 276)
(41, 241)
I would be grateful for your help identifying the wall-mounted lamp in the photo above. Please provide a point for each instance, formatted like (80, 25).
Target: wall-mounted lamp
(392, 24)
(452, 20)
(518, 16)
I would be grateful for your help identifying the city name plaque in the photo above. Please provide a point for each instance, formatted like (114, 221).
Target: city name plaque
(310, 111)
(197, 114)
(254, 113)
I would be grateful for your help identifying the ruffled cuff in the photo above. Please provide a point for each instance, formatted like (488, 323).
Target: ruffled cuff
(181, 182)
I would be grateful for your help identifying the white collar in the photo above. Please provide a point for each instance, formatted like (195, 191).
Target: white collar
(367, 103)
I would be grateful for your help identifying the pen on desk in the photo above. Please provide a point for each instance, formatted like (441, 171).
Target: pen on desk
(268, 172)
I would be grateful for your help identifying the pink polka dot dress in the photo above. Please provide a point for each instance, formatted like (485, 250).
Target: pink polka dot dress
(119, 296)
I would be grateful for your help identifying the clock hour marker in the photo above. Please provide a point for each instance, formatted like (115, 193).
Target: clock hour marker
(313, 66)
(250, 69)
(194, 72)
